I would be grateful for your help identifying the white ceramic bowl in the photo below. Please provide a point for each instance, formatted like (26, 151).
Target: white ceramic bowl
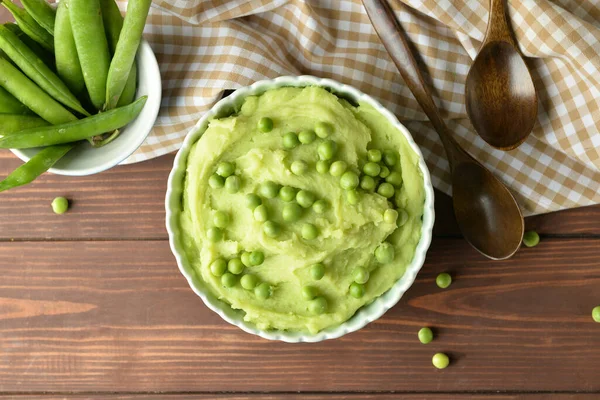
(173, 206)
(86, 160)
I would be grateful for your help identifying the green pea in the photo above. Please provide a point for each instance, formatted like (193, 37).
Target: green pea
(257, 258)
(372, 169)
(261, 213)
(221, 219)
(374, 155)
(307, 137)
(338, 168)
(361, 275)
(60, 205)
(291, 212)
(263, 291)
(390, 157)
(440, 361)
(357, 290)
(368, 183)
(531, 239)
(352, 197)
(235, 266)
(287, 193)
(216, 181)
(322, 166)
(443, 280)
(390, 216)
(309, 292)
(265, 124)
(305, 198)
(349, 181)
(233, 184)
(317, 271)
(214, 234)
(425, 335)
(596, 314)
(309, 231)
(395, 178)
(299, 167)
(327, 149)
(402, 217)
(218, 267)
(245, 257)
(386, 190)
(271, 229)
(269, 189)
(290, 140)
(225, 169)
(385, 253)
(253, 201)
(228, 280)
(385, 172)
(318, 306)
(320, 206)
(249, 281)
(323, 129)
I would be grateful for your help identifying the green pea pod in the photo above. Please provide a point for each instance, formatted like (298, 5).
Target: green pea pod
(67, 60)
(41, 12)
(130, 90)
(127, 47)
(36, 166)
(30, 94)
(113, 24)
(10, 105)
(11, 123)
(74, 131)
(92, 47)
(29, 25)
(42, 53)
(37, 71)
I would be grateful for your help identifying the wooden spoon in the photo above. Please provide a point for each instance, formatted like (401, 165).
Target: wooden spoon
(487, 213)
(500, 96)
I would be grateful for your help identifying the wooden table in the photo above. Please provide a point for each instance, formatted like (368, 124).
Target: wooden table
(92, 302)
(92, 306)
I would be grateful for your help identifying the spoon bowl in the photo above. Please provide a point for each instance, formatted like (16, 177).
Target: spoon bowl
(500, 96)
(487, 214)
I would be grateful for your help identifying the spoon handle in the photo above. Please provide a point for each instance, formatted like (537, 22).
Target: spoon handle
(498, 29)
(393, 37)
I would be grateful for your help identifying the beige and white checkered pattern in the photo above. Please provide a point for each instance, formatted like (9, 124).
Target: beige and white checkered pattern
(207, 46)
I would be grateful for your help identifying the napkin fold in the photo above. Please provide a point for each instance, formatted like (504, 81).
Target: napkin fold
(207, 46)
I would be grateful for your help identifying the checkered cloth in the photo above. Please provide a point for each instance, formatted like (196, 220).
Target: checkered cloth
(207, 46)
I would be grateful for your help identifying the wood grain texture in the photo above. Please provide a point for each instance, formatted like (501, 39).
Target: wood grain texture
(126, 202)
(117, 316)
(314, 396)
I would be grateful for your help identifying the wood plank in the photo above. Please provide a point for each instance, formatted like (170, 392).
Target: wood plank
(317, 396)
(117, 316)
(127, 203)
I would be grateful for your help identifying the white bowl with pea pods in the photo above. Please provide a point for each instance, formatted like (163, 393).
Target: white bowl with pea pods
(173, 204)
(86, 160)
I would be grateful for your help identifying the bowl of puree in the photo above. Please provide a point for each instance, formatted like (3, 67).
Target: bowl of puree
(299, 209)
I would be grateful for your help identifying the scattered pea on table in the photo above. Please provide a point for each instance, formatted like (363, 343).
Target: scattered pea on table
(443, 280)
(425, 335)
(531, 239)
(440, 360)
(596, 314)
(60, 205)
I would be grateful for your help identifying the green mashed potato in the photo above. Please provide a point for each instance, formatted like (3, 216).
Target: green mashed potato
(273, 229)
